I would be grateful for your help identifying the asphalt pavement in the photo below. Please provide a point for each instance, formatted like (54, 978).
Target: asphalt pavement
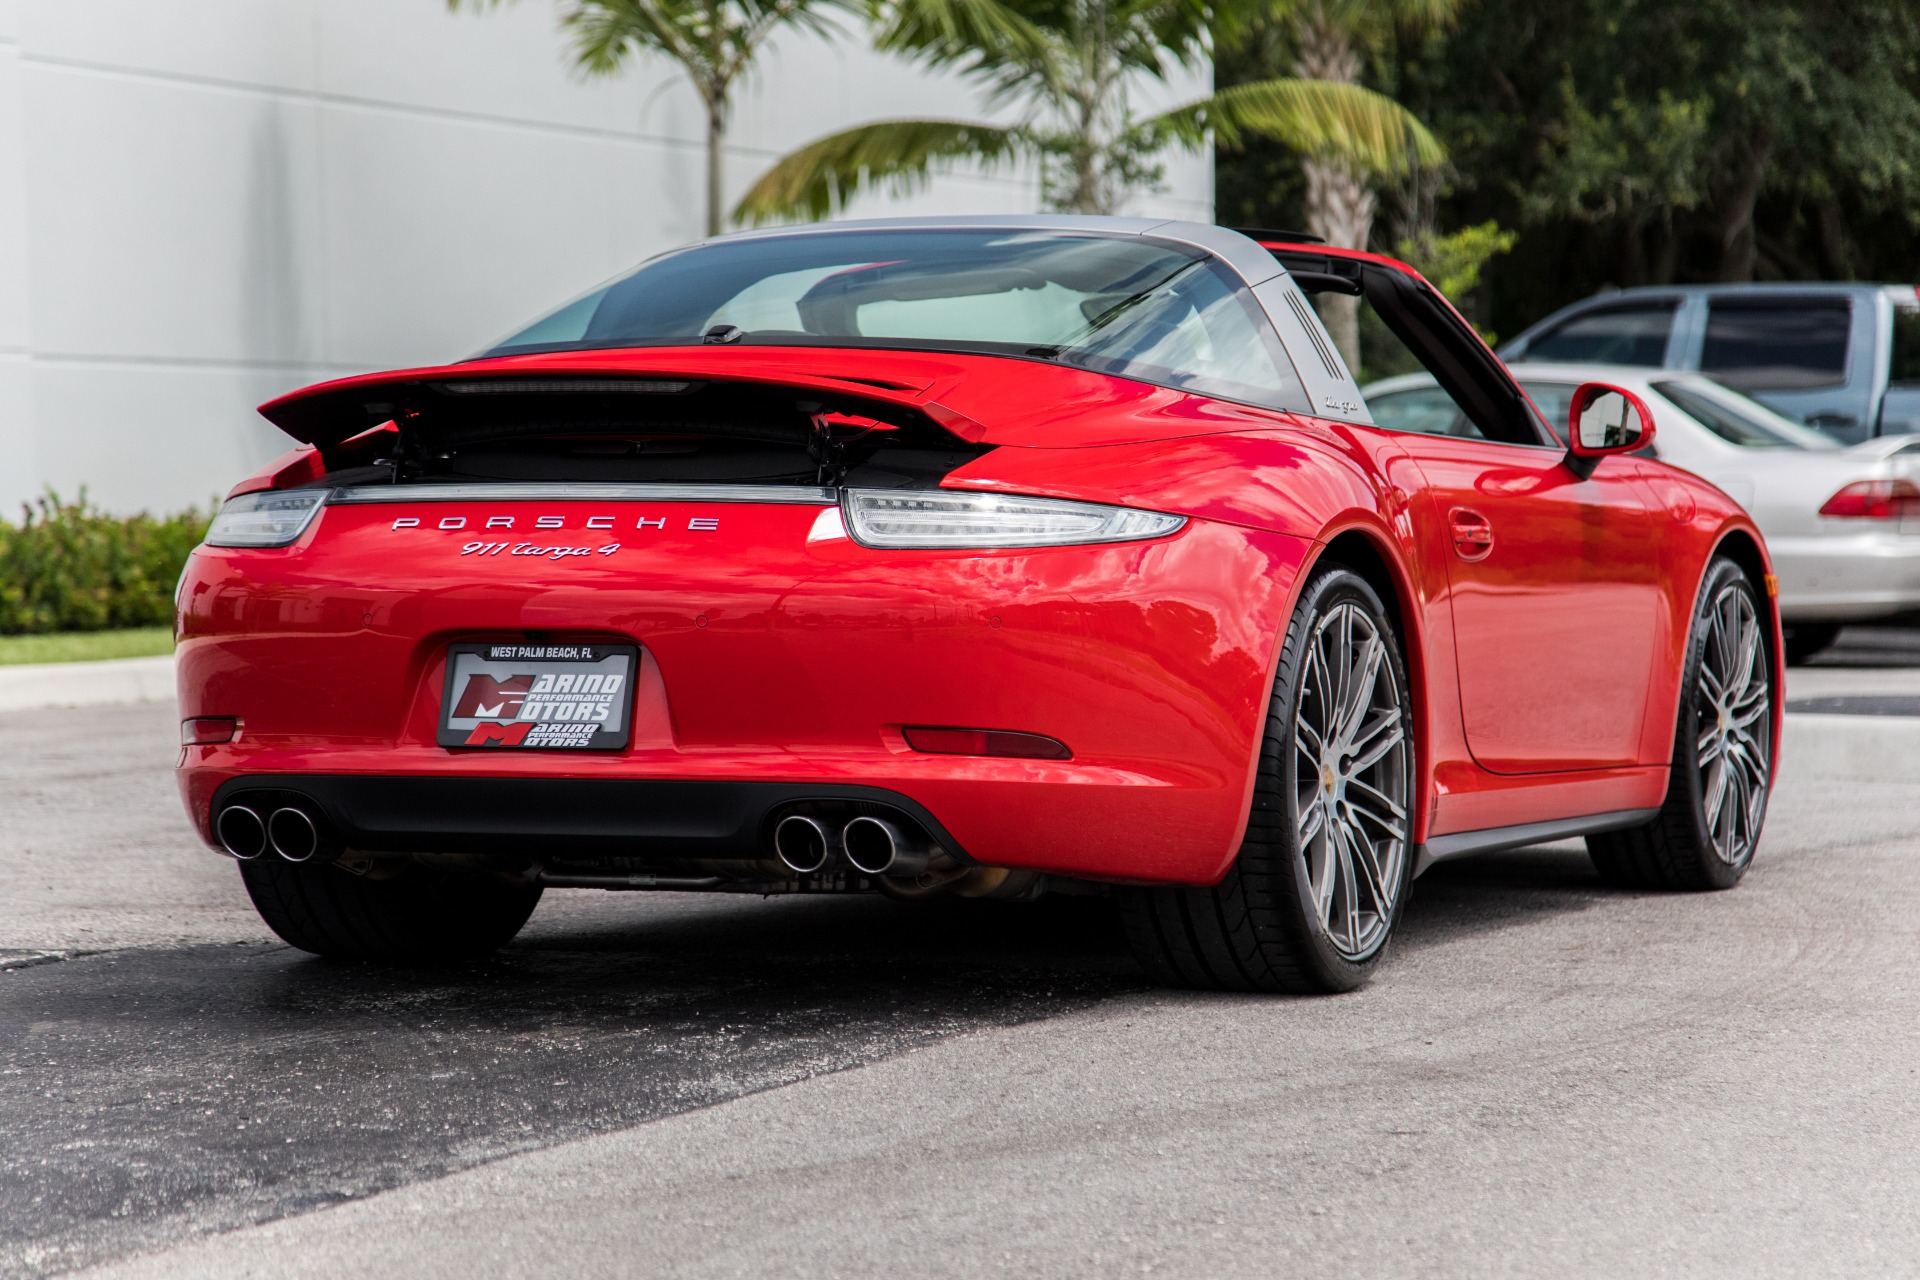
(1547, 1077)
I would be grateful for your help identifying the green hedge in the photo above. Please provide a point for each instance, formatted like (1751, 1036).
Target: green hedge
(68, 566)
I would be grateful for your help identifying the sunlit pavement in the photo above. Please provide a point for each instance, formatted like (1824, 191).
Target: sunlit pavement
(1548, 1077)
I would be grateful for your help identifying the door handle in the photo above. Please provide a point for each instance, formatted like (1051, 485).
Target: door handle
(1472, 534)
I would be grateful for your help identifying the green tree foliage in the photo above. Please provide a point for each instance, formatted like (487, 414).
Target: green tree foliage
(715, 42)
(71, 567)
(1648, 141)
(1066, 67)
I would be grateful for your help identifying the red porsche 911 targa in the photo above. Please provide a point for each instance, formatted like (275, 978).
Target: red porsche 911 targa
(975, 556)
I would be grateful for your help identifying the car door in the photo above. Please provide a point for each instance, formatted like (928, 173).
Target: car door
(1557, 602)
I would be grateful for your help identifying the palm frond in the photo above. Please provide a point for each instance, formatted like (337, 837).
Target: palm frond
(979, 33)
(1317, 117)
(893, 155)
(605, 31)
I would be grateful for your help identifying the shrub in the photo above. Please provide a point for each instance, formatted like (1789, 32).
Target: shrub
(69, 566)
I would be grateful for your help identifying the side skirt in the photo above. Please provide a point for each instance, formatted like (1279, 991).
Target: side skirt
(1463, 844)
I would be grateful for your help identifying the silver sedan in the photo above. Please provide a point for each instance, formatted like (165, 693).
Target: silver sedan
(1842, 524)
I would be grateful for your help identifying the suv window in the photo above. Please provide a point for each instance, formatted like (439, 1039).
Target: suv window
(1906, 347)
(1777, 344)
(1634, 334)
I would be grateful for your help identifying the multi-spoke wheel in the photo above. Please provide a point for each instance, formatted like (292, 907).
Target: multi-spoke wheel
(1350, 767)
(1309, 903)
(1722, 772)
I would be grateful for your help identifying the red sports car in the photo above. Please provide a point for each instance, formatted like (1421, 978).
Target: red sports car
(973, 556)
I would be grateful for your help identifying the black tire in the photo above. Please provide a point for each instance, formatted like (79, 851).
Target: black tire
(1261, 928)
(1805, 640)
(419, 915)
(1686, 847)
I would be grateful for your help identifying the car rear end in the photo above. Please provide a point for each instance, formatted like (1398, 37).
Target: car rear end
(625, 628)
(1844, 530)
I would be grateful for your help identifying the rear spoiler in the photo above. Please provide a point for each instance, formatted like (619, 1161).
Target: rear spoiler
(329, 413)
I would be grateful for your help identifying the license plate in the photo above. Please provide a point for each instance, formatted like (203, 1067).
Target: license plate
(539, 697)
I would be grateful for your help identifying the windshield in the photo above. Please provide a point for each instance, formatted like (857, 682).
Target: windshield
(1741, 421)
(1123, 305)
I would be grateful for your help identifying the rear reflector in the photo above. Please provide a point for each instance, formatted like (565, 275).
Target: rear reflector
(986, 742)
(207, 731)
(1875, 500)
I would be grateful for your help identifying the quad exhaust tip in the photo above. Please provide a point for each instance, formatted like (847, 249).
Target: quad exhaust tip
(293, 834)
(241, 832)
(804, 844)
(877, 847)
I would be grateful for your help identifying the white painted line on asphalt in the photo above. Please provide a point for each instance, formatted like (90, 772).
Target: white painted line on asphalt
(31, 686)
(1864, 748)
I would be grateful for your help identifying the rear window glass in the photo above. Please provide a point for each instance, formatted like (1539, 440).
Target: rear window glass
(1740, 421)
(1614, 335)
(1760, 344)
(1124, 305)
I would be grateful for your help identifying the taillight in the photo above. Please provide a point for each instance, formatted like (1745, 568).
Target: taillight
(985, 742)
(943, 518)
(1875, 500)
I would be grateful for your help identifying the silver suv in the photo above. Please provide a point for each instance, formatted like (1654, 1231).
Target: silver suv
(1841, 357)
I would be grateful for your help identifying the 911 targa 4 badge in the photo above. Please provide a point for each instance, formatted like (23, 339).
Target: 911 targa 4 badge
(565, 697)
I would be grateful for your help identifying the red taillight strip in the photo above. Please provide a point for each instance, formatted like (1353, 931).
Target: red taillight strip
(985, 742)
(1874, 500)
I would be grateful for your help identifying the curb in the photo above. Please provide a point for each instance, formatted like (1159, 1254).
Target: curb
(32, 686)
(1857, 748)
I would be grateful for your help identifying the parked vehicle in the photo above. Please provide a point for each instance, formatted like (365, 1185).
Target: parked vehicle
(1841, 357)
(969, 556)
(1842, 524)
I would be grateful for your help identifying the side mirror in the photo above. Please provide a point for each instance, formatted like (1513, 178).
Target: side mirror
(1604, 420)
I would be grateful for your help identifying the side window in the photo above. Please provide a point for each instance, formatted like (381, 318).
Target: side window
(1427, 410)
(1420, 366)
(1554, 400)
(1906, 347)
(1635, 334)
(1777, 344)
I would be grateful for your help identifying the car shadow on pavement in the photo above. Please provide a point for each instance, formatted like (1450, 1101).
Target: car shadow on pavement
(1497, 891)
(153, 1094)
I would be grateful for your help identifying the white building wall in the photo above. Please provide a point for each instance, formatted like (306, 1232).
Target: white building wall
(205, 203)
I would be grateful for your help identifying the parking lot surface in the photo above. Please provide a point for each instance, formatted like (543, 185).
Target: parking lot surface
(1548, 1077)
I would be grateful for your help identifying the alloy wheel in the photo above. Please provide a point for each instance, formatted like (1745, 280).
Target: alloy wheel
(1352, 776)
(1733, 710)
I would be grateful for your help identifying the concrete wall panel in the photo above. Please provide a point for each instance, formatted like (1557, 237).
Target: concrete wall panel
(204, 203)
(242, 42)
(169, 221)
(153, 437)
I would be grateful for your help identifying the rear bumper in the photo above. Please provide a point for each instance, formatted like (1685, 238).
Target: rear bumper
(773, 666)
(1844, 577)
(555, 817)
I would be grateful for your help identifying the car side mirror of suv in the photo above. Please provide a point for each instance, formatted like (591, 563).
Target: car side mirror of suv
(1604, 420)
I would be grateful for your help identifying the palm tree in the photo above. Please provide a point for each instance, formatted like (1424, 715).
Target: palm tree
(1066, 66)
(1340, 202)
(714, 41)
